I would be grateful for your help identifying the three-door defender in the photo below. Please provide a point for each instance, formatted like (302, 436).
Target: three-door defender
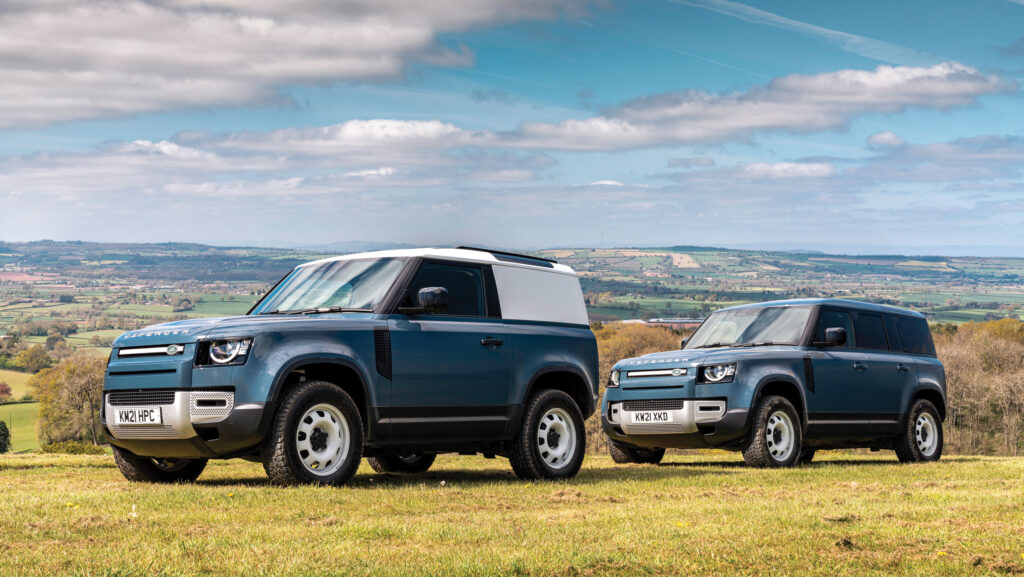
(392, 355)
(779, 380)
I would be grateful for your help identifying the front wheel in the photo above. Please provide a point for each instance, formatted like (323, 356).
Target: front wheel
(414, 463)
(316, 437)
(151, 470)
(625, 454)
(552, 439)
(921, 439)
(775, 436)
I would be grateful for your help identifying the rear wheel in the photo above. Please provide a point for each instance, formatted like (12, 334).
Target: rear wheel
(625, 454)
(415, 463)
(316, 437)
(922, 438)
(774, 439)
(551, 441)
(151, 470)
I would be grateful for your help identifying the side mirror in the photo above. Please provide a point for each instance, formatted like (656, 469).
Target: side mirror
(433, 299)
(834, 337)
(682, 343)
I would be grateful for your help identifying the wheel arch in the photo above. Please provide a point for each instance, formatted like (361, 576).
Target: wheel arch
(932, 394)
(566, 378)
(784, 387)
(337, 370)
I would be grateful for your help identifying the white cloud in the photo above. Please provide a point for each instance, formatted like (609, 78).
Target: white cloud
(860, 45)
(885, 140)
(606, 183)
(383, 171)
(66, 60)
(696, 161)
(795, 103)
(788, 170)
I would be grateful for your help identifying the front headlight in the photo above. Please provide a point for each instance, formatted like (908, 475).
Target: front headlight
(225, 351)
(718, 373)
(613, 380)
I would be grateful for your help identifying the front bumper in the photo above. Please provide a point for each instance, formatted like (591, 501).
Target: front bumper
(195, 423)
(693, 423)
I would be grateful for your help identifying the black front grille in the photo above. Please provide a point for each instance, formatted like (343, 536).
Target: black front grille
(382, 344)
(654, 405)
(123, 398)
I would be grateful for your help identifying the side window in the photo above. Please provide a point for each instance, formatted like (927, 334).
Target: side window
(917, 338)
(465, 286)
(870, 332)
(833, 319)
(892, 330)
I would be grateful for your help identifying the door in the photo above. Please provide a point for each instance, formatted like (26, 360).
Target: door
(451, 371)
(841, 403)
(895, 377)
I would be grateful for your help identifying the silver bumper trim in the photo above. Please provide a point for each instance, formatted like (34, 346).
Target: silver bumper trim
(188, 408)
(683, 421)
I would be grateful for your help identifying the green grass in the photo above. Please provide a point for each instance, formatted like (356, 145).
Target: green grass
(17, 380)
(21, 420)
(695, 515)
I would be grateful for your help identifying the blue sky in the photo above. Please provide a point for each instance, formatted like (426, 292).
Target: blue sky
(851, 127)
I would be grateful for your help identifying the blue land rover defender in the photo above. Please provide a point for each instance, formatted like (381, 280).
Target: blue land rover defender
(393, 355)
(779, 380)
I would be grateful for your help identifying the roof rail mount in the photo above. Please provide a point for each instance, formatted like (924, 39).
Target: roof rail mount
(504, 253)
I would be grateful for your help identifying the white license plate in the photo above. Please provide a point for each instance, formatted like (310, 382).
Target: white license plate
(652, 417)
(138, 416)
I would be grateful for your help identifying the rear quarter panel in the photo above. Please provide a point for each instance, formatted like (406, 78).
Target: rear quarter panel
(536, 348)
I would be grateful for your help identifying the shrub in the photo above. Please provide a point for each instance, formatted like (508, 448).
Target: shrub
(5, 438)
(72, 448)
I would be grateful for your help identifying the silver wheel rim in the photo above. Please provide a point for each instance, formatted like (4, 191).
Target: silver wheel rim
(926, 433)
(556, 438)
(322, 439)
(780, 436)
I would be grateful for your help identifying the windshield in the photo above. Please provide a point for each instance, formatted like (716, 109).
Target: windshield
(341, 284)
(753, 326)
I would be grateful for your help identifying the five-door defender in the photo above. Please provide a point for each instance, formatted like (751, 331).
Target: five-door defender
(778, 380)
(392, 355)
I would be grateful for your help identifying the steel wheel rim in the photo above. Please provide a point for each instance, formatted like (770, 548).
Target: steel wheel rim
(780, 436)
(556, 438)
(926, 433)
(322, 439)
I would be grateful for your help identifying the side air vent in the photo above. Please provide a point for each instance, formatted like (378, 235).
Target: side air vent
(809, 374)
(382, 344)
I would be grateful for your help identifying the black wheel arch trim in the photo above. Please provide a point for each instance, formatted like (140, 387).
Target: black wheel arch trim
(274, 399)
(931, 389)
(563, 368)
(780, 378)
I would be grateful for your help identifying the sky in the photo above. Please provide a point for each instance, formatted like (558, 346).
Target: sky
(854, 127)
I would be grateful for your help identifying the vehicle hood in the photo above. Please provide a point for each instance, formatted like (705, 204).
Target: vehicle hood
(193, 330)
(694, 357)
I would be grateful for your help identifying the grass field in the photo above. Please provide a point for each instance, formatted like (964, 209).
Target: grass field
(21, 420)
(694, 515)
(17, 380)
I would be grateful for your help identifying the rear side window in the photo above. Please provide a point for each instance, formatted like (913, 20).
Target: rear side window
(834, 319)
(465, 286)
(917, 338)
(870, 333)
(892, 330)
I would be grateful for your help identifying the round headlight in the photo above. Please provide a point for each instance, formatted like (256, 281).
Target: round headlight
(716, 373)
(222, 352)
(615, 378)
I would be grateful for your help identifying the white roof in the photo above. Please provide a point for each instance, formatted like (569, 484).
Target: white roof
(459, 254)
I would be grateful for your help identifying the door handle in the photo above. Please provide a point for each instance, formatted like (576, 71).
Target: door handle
(492, 342)
(859, 366)
(902, 368)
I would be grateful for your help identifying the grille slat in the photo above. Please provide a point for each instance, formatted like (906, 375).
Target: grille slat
(654, 405)
(126, 398)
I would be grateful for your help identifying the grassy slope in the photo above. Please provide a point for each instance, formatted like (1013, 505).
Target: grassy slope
(21, 419)
(696, 515)
(17, 380)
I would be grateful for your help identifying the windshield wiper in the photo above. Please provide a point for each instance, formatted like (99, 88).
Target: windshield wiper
(318, 311)
(713, 345)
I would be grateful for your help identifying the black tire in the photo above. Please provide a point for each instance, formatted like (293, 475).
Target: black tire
(282, 457)
(916, 444)
(150, 470)
(414, 463)
(530, 451)
(625, 454)
(763, 449)
(806, 456)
